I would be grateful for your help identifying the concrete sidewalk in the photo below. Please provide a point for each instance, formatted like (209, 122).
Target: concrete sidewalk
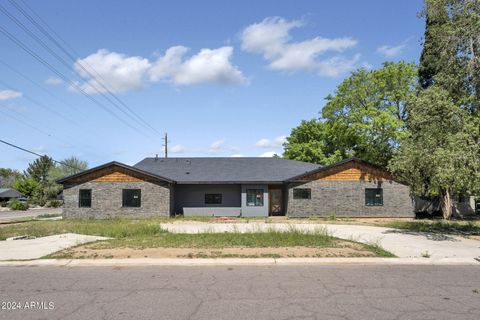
(402, 243)
(39, 247)
(237, 262)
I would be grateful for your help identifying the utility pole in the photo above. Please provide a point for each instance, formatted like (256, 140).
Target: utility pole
(165, 144)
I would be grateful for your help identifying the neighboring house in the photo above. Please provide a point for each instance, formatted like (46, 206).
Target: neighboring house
(247, 187)
(8, 193)
(463, 205)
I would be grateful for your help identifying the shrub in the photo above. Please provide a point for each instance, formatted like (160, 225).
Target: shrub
(54, 203)
(3, 204)
(17, 205)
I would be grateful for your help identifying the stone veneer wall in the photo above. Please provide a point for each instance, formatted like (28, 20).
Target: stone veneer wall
(347, 198)
(107, 200)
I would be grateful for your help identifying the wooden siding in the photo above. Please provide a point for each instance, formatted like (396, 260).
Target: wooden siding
(350, 171)
(113, 174)
(117, 176)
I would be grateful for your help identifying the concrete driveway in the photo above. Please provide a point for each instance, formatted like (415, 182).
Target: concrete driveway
(402, 243)
(39, 247)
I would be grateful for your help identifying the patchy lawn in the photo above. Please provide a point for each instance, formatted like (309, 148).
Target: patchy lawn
(114, 228)
(145, 238)
(465, 228)
(291, 243)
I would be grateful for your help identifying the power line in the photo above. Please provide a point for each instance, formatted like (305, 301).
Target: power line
(74, 59)
(25, 123)
(63, 77)
(39, 155)
(49, 92)
(41, 105)
(29, 124)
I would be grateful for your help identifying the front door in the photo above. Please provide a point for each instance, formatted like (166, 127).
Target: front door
(275, 201)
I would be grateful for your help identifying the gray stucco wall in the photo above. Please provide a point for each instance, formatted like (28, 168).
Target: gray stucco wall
(107, 200)
(347, 198)
(254, 211)
(193, 195)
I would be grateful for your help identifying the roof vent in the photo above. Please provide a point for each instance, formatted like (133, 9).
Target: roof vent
(187, 172)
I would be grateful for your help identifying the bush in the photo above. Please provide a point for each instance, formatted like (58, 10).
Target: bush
(17, 205)
(54, 203)
(3, 204)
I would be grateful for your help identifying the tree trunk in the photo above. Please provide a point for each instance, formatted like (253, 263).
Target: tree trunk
(446, 203)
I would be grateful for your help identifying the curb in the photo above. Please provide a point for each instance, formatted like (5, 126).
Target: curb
(237, 262)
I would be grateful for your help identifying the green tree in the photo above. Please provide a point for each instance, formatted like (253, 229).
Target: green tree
(8, 177)
(39, 169)
(65, 168)
(27, 186)
(451, 53)
(432, 53)
(441, 155)
(432, 157)
(308, 142)
(364, 118)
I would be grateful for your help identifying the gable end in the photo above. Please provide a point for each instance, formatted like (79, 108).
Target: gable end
(350, 170)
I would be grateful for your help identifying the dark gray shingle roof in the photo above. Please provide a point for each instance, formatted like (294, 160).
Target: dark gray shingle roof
(9, 193)
(227, 170)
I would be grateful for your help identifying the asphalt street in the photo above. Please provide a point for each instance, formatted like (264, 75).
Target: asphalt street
(241, 292)
(15, 214)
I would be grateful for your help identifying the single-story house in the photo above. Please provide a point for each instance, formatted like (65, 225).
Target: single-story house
(246, 187)
(8, 193)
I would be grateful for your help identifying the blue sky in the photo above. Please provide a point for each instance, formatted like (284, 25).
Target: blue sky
(223, 78)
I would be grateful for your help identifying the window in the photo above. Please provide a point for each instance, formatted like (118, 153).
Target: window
(255, 197)
(302, 193)
(213, 198)
(463, 198)
(374, 197)
(85, 198)
(131, 198)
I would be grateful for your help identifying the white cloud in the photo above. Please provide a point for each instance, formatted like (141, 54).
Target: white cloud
(271, 143)
(9, 94)
(272, 39)
(207, 66)
(391, 51)
(268, 154)
(237, 155)
(54, 81)
(178, 148)
(216, 145)
(116, 71)
(119, 72)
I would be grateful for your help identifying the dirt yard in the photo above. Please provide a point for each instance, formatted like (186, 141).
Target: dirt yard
(91, 251)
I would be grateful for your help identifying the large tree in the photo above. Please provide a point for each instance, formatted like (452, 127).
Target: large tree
(451, 52)
(432, 157)
(441, 156)
(65, 168)
(8, 177)
(364, 118)
(39, 169)
(310, 142)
